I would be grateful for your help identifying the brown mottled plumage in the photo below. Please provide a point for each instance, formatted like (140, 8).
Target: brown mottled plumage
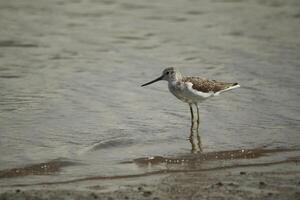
(205, 85)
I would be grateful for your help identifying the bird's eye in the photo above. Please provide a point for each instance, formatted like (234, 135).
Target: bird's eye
(167, 72)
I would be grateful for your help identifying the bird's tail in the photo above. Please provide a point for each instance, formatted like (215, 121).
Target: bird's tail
(233, 86)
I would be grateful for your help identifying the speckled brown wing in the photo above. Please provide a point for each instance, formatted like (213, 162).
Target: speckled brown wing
(205, 85)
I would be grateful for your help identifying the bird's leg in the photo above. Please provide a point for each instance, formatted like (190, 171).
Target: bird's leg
(193, 136)
(198, 124)
(192, 115)
(198, 117)
(192, 118)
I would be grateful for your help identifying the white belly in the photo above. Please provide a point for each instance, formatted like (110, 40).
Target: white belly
(186, 93)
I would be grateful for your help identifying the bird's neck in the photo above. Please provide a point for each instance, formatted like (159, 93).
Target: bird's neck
(174, 82)
(178, 77)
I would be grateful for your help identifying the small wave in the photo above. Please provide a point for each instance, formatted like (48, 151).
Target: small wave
(12, 43)
(106, 144)
(9, 76)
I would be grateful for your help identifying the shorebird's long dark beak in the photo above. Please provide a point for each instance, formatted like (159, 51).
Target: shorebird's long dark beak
(158, 79)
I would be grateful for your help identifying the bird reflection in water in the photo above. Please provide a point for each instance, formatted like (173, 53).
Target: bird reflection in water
(195, 138)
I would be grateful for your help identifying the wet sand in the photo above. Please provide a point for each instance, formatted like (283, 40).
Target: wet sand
(265, 181)
(186, 161)
(46, 168)
(185, 178)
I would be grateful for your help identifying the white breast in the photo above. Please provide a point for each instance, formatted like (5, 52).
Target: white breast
(185, 92)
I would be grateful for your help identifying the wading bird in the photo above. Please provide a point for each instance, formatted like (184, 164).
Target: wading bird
(192, 90)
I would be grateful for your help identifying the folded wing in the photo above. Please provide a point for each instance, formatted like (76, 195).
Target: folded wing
(206, 86)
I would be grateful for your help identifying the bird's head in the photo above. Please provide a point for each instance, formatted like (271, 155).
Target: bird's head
(169, 74)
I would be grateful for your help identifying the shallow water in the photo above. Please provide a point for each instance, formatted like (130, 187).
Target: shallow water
(70, 76)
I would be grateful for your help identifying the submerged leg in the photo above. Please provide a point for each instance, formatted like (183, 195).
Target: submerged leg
(198, 124)
(198, 117)
(192, 115)
(194, 133)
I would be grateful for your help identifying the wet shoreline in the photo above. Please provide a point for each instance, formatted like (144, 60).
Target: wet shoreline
(264, 181)
(181, 164)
